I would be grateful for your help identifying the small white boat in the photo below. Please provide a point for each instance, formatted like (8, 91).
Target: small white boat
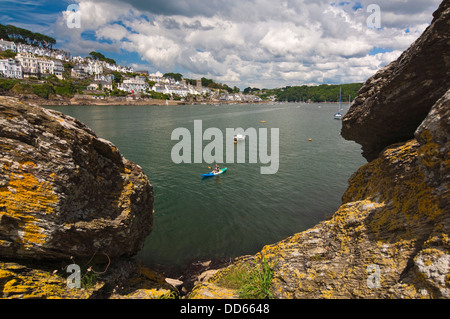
(338, 115)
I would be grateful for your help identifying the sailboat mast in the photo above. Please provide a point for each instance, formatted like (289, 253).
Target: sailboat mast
(340, 100)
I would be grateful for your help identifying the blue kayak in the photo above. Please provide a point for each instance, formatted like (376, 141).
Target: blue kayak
(222, 170)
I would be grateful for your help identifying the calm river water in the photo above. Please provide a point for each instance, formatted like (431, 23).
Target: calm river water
(242, 210)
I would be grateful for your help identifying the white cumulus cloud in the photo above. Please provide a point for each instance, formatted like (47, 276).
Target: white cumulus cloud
(261, 43)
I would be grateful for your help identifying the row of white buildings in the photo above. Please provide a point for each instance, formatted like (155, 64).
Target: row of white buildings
(160, 84)
(26, 48)
(26, 64)
(31, 61)
(97, 67)
(38, 66)
(37, 61)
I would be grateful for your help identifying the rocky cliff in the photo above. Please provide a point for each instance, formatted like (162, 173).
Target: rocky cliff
(64, 191)
(392, 103)
(67, 196)
(390, 237)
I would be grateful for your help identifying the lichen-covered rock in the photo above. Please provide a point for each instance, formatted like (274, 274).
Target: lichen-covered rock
(392, 103)
(434, 136)
(125, 279)
(64, 191)
(18, 281)
(391, 236)
(391, 222)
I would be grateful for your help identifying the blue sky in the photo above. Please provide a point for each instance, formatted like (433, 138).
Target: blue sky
(258, 43)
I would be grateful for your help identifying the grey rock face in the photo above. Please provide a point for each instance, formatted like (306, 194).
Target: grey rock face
(64, 191)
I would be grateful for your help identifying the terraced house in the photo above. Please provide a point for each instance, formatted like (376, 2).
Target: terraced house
(10, 68)
(38, 67)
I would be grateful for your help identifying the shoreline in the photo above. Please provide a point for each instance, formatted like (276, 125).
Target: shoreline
(109, 101)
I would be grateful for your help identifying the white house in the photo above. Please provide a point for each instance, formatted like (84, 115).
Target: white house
(133, 85)
(7, 45)
(29, 63)
(60, 55)
(78, 59)
(99, 85)
(101, 82)
(58, 69)
(11, 68)
(34, 66)
(94, 67)
(45, 66)
(78, 71)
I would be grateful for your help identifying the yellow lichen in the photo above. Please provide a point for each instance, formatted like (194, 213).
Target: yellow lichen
(36, 283)
(23, 199)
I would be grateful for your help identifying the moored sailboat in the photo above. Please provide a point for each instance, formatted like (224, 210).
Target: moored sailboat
(338, 115)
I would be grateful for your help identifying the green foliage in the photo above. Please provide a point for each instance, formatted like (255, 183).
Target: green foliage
(52, 85)
(89, 279)
(190, 81)
(176, 76)
(251, 281)
(65, 88)
(7, 84)
(214, 85)
(68, 65)
(117, 76)
(8, 54)
(320, 93)
(117, 92)
(99, 56)
(43, 90)
(157, 95)
(250, 90)
(19, 35)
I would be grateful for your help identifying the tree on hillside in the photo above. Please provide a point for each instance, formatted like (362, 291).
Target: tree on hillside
(100, 57)
(8, 54)
(117, 76)
(320, 93)
(176, 76)
(19, 35)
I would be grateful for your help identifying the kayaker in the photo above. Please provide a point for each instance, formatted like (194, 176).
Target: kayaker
(216, 169)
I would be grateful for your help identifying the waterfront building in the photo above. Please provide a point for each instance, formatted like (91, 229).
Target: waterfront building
(134, 85)
(10, 68)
